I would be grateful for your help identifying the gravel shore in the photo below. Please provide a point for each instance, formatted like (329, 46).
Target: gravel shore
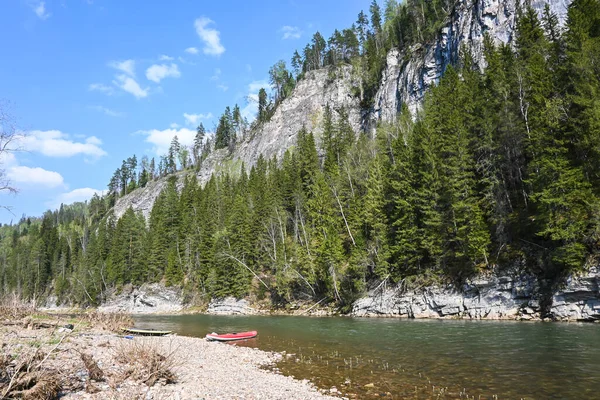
(201, 369)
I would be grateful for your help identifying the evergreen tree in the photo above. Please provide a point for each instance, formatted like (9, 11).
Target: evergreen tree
(262, 105)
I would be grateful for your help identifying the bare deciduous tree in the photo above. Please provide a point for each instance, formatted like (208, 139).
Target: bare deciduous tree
(9, 143)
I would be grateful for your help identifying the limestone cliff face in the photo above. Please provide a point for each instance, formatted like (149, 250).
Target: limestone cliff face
(409, 74)
(507, 296)
(406, 78)
(304, 107)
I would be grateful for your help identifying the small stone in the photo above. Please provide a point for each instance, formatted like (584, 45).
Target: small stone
(369, 385)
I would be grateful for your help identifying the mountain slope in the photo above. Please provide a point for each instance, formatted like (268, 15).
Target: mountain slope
(405, 80)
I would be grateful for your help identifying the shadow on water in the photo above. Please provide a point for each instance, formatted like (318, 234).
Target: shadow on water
(419, 359)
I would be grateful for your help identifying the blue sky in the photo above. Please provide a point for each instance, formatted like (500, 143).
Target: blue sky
(96, 81)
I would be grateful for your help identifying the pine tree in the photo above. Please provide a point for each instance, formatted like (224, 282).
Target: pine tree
(174, 150)
(262, 105)
(402, 201)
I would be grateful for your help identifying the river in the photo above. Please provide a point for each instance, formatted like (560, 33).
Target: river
(419, 359)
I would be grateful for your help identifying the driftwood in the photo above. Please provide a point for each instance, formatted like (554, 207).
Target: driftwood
(313, 306)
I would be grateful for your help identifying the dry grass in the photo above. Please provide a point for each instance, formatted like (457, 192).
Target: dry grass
(92, 367)
(13, 308)
(146, 363)
(114, 322)
(40, 386)
(24, 375)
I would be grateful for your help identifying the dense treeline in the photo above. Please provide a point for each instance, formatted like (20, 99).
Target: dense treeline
(500, 169)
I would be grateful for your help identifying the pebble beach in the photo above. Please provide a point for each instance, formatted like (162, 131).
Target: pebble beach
(197, 369)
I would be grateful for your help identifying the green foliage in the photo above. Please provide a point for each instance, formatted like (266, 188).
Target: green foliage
(499, 167)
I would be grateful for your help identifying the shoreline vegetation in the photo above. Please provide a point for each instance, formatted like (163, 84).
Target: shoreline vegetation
(498, 171)
(315, 313)
(45, 356)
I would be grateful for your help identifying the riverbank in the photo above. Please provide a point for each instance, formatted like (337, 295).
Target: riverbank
(508, 296)
(89, 362)
(499, 295)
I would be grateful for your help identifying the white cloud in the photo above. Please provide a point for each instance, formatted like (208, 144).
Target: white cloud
(130, 85)
(217, 75)
(194, 119)
(161, 140)
(291, 32)
(35, 176)
(249, 112)
(39, 9)
(216, 78)
(107, 111)
(99, 87)
(127, 66)
(157, 72)
(54, 143)
(210, 37)
(76, 195)
(191, 50)
(7, 159)
(93, 140)
(255, 86)
(174, 125)
(164, 57)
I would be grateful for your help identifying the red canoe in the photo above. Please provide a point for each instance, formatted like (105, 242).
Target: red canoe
(231, 336)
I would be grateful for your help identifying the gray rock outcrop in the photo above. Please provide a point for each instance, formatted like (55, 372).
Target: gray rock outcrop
(406, 78)
(147, 299)
(304, 107)
(579, 299)
(493, 297)
(229, 306)
(496, 297)
(409, 74)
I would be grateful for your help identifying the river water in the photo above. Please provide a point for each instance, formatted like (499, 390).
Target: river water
(419, 359)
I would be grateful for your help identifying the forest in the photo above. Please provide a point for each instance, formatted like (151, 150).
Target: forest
(500, 169)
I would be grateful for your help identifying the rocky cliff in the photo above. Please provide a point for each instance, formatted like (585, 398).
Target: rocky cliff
(304, 107)
(405, 79)
(410, 73)
(503, 296)
(151, 298)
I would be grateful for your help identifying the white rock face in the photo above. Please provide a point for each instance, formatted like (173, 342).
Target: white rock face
(405, 79)
(229, 306)
(147, 299)
(503, 297)
(409, 74)
(579, 299)
(141, 200)
(496, 297)
(304, 107)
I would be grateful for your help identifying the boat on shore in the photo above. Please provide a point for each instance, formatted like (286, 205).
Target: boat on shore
(228, 337)
(146, 332)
